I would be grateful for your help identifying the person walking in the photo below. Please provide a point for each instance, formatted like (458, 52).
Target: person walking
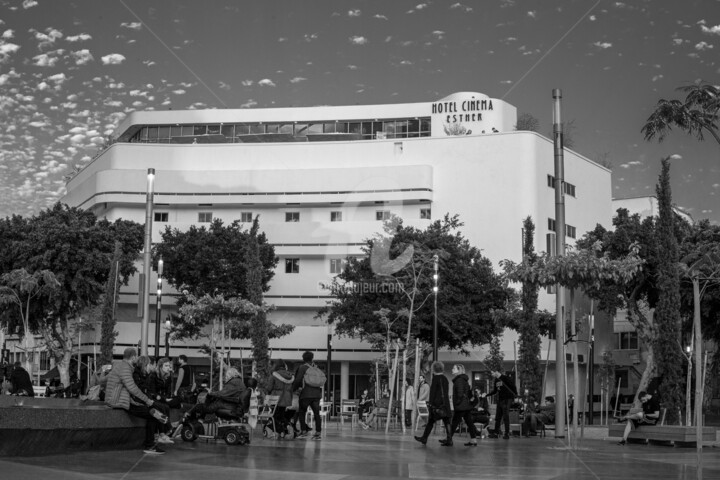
(506, 392)
(280, 384)
(438, 404)
(310, 395)
(462, 394)
(185, 383)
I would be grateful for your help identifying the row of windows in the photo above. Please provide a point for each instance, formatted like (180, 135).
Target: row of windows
(292, 265)
(247, 217)
(568, 188)
(626, 341)
(366, 129)
(570, 231)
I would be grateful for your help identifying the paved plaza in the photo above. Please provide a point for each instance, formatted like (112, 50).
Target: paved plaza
(358, 454)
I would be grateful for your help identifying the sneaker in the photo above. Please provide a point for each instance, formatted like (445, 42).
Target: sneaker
(303, 434)
(471, 444)
(163, 438)
(493, 435)
(506, 437)
(159, 416)
(622, 442)
(364, 425)
(317, 436)
(421, 440)
(154, 450)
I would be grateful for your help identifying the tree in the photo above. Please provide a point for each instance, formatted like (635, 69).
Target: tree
(19, 288)
(495, 358)
(529, 339)
(211, 261)
(527, 122)
(259, 338)
(77, 248)
(106, 312)
(696, 115)
(667, 312)
(469, 290)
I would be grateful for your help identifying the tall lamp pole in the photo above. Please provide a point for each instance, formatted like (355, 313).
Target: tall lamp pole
(144, 326)
(561, 402)
(435, 318)
(158, 309)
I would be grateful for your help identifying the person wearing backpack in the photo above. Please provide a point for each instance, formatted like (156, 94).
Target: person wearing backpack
(309, 380)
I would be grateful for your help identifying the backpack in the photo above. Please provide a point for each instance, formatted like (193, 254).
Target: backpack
(314, 377)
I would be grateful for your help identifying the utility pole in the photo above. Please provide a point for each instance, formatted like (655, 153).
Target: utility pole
(561, 401)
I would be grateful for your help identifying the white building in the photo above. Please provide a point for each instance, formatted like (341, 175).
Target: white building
(321, 178)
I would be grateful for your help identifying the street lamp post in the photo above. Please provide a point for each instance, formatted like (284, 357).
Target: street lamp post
(435, 318)
(158, 308)
(146, 268)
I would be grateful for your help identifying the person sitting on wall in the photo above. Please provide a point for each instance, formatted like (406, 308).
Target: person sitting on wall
(544, 414)
(21, 383)
(649, 415)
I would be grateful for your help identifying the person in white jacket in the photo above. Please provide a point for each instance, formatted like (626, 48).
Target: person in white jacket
(409, 402)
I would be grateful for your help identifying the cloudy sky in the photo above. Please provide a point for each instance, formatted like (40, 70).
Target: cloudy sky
(70, 70)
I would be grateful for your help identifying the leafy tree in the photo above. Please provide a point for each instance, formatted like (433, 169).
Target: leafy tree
(696, 115)
(667, 311)
(527, 122)
(77, 248)
(19, 288)
(106, 312)
(469, 290)
(529, 340)
(260, 333)
(495, 358)
(211, 261)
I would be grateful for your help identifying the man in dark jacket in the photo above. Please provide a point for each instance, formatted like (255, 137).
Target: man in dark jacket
(544, 414)
(309, 397)
(462, 394)
(506, 392)
(226, 400)
(21, 383)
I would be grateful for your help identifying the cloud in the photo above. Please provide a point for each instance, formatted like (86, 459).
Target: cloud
(266, 82)
(297, 79)
(48, 38)
(132, 25)
(29, 4)
(603, 45)
(82, 57)
(703, 46)
(380, 17)
(438, 33)
(179, 91)
(79, 38)
(248, 104)
(8, 34)
(592, 18)
(357, 40)
(532, 14)
(461, 6)
(676, 156)
(354, 13)
(45, 60)
(113, 59)
(148, 63)
(223, 85)
(247, 83)
(7, 49)
(657, 77)
(310, 37)
(677, 41)
(712, 30)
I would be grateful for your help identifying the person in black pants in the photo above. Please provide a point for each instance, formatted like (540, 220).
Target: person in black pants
(506, 392)
(438, 405)
(309, 397)
(462, 395)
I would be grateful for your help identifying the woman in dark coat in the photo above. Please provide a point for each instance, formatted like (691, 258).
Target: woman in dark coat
(463, 408)
(438, 404)
(280, 384)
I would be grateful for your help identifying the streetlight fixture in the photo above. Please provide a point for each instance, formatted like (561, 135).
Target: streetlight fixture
(146, 268)
(435, 318)
(158, 308)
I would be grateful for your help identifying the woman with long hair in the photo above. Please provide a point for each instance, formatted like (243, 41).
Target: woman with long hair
(438, 404)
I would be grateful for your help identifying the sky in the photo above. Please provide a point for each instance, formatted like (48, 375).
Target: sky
(71, 70)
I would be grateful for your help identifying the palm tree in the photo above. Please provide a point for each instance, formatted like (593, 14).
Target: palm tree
(697, 115)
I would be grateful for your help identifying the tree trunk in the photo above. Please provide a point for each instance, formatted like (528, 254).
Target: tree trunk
(392, 387)
(576, 372)
(63, 367)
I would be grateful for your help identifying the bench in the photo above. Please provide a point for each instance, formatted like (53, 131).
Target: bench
(678, 435)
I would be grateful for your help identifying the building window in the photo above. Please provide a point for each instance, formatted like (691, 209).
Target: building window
(292, 265)
(246, 217)
(627, 340)
(336, 216)
(292, 216)
(425, 213)
(161, 217)
(382, 215)
(204, 217)
(337, 265)
(44, 361)
(570, 231)
(568, 188)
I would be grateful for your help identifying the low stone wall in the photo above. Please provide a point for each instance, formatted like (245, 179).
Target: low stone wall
(43, 426)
